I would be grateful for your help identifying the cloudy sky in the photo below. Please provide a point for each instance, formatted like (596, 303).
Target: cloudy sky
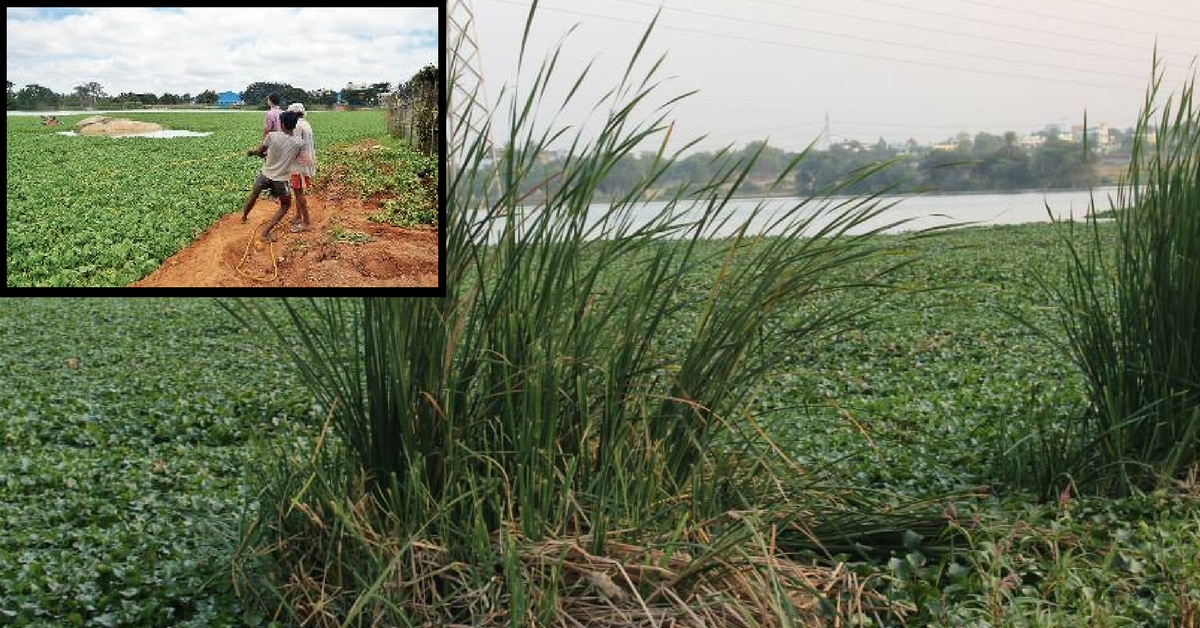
(925, 69)
(191, 50)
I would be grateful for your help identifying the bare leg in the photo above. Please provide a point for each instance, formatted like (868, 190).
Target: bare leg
(301, 220)
(254, 192)
(285, 203)
(299, 194)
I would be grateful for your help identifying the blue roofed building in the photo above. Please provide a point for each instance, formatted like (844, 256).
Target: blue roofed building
(228, 99)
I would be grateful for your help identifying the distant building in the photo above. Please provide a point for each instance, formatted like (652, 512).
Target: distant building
(228, 99)
(548, 156)
(1056, 132)
(355, 86)
(1098, 136)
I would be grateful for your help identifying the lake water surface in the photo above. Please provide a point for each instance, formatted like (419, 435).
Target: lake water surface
(925, 211)
(902, 213)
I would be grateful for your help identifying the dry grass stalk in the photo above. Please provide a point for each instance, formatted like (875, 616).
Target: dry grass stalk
(628, 584)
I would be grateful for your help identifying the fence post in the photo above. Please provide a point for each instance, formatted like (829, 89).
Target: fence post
(414, 111)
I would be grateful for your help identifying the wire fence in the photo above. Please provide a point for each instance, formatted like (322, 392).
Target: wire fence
(412, 111)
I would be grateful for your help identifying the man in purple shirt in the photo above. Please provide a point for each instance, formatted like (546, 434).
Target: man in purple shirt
(271, 121)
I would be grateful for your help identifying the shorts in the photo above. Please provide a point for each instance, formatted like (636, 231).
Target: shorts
(301, 182)
(279, 189)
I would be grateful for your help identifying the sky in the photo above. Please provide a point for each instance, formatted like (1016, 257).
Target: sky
(896, 69)
(191, 50)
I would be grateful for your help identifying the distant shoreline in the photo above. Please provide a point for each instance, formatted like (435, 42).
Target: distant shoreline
(191, 109)
(744, 197)
(72, 112)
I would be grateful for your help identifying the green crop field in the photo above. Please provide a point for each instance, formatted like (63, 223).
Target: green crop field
(102, 211)
(128, 431)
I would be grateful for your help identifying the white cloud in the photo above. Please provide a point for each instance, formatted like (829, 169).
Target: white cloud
(148, 50)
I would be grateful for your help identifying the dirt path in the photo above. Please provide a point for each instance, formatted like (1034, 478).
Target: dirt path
(395, 257)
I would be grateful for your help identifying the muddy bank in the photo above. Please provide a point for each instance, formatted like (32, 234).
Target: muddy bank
(323, 256)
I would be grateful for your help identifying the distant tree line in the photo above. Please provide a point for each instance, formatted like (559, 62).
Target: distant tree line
(91, 94)
(984, 162)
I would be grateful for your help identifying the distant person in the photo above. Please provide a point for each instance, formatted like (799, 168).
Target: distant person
(305, 168)
(271, 120)
(280, 148)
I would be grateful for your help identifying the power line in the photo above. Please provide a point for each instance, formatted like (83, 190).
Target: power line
(1057, 34)
(884, 41)
(1064, 19)
(829, 51)
(992, 125)
(944, 31)
(774, 128)
(1142, 11)
(791, 129)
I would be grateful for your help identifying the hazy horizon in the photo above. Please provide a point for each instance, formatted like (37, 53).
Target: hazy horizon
(773, 69)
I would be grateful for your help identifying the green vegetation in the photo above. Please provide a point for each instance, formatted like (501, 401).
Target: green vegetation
(914, 401)
(348, 236)
(577, 410)
(655, 427)
(419, 97)
(538, 405)
(131, 432)
(1132, 317)
(403, 180)
(100, 211)
(413, 212)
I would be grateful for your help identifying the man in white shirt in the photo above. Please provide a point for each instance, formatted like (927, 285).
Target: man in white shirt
(280, 149)
(305, 167)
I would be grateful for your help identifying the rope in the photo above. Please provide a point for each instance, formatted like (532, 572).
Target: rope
(246, 254)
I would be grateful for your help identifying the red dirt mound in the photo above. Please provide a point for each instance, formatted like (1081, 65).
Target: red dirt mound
(394, 257)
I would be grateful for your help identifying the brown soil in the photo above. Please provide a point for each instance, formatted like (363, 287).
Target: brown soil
(394, 258)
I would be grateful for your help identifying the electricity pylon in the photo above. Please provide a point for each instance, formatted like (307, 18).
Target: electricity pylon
(467, 106)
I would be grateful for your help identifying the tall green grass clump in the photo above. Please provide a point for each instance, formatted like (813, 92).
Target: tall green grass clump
(1131, 313)
(556, 443)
